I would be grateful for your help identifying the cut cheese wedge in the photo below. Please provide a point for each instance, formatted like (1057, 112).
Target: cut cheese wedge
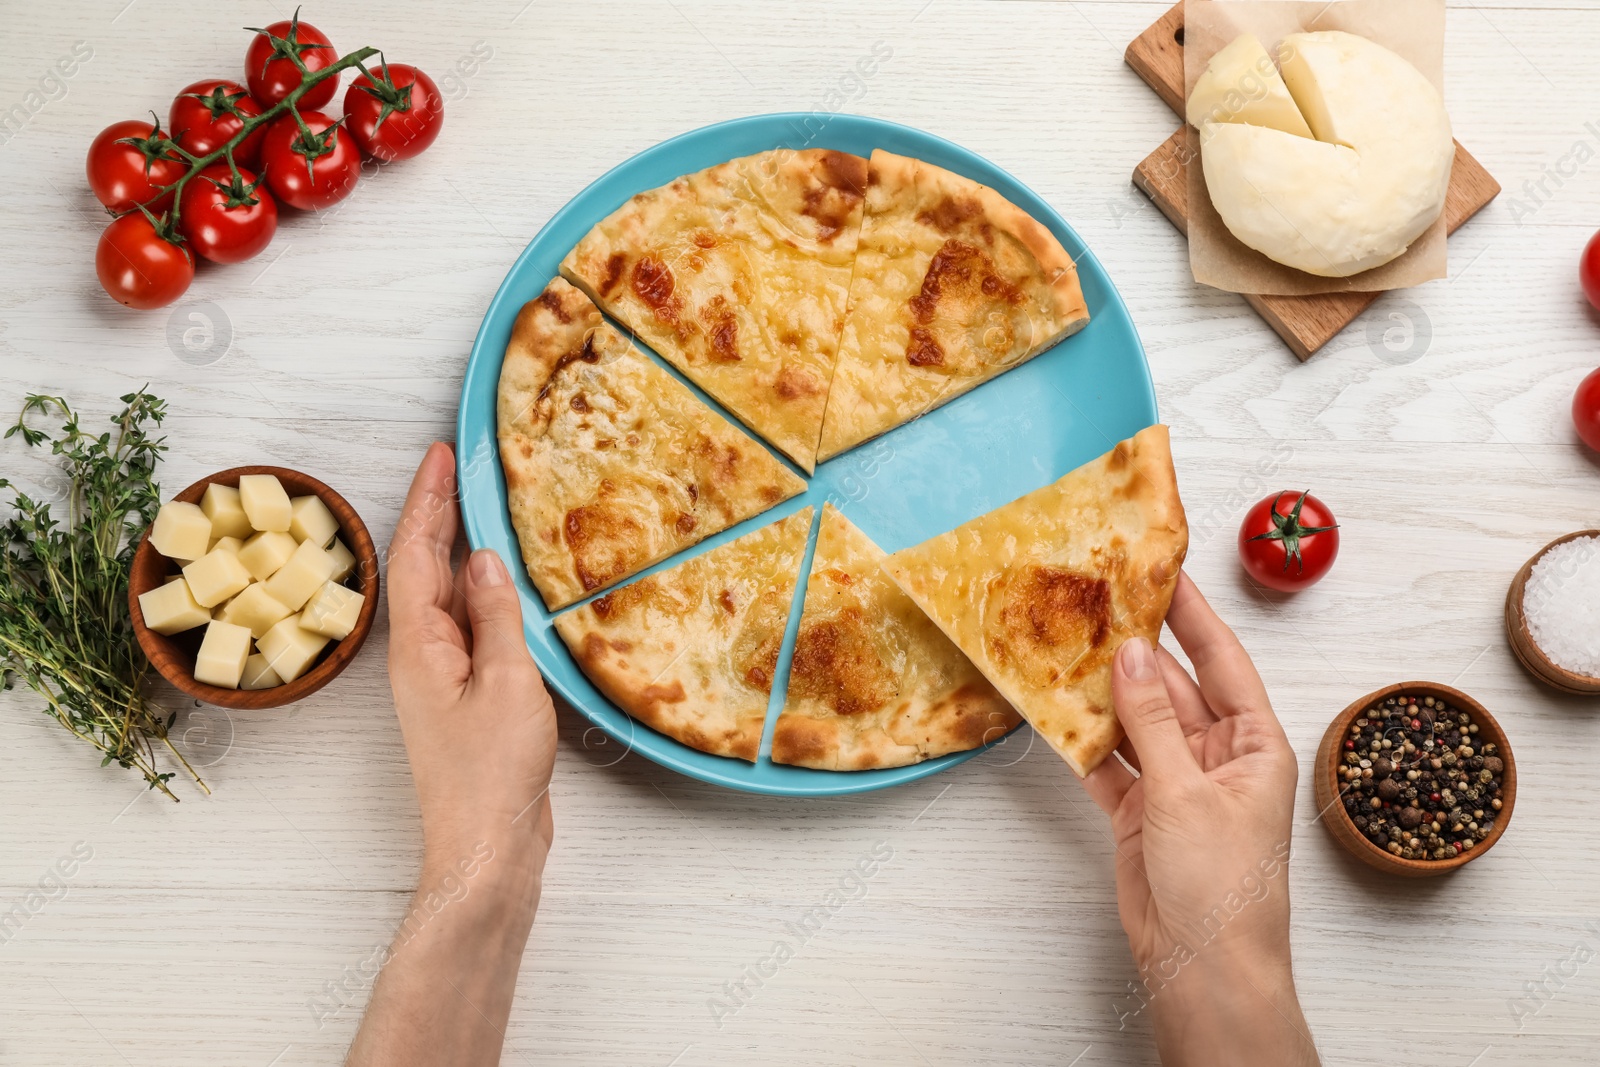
(1373, 180)
(1241, 84)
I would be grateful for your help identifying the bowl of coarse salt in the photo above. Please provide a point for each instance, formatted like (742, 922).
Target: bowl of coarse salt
(1553, 614)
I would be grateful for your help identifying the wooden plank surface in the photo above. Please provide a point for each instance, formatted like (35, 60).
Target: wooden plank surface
(1156, 55)
(198, 933)
(1305, 323)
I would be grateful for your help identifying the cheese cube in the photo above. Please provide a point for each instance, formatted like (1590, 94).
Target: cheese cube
(258, 673)
(264, 553)
(181, 531)
(171, 608)
(220, 661)
(290, 648)
(344, 561)
(310, 520)
(333, 611)
(215, 577)
(221, 505)
(298, 579)
(265, 502)
(254, 609)
(227, 544)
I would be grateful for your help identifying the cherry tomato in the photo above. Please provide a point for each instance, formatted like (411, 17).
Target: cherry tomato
(335, 161)
(1586, 410)
(128, 161)
(1288, 541)
(1589, 270)
(394, 115)
(141, 266)
(272, 75)
(227, 219)
(207, 115)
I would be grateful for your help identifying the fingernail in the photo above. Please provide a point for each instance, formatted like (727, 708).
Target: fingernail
(487, 570)
(1138, 662)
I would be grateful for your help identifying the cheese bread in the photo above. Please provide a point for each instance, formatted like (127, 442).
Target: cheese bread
(1040, 593)
(691, 651)
(738, 276)
(873, 683)
(611, 464)
(953, 285)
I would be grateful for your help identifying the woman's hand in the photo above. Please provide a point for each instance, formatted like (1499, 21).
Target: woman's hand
(479, 726)
(480, 732)
(1202, 837)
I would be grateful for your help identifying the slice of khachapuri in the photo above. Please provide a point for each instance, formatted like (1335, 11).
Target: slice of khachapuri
(873, 683)
(1040, 592)
(611, 464)
(691, 651)
(953, 285)
(738, 276)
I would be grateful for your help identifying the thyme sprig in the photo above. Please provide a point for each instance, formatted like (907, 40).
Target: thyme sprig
(64, 622)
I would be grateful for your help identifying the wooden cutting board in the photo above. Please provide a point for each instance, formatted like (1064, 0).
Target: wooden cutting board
(1305, 323)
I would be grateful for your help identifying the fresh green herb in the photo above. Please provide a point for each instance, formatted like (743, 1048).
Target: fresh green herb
(64, 625)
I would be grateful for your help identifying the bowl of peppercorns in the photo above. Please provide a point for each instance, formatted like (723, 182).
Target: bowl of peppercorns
(1416, 779)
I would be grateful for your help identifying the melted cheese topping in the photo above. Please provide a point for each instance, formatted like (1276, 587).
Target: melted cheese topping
(612, 465)
(738, 276)
(1040, 593)
(953, 285)
(873, 682)
(692, 651)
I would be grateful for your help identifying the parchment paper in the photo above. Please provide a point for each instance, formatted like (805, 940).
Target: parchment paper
(1412, 29)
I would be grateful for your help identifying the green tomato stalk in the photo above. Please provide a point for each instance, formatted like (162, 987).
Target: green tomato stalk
(1287, 529)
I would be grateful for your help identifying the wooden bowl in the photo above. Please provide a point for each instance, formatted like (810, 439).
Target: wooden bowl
(174, 655)
(1528, 653)
(1328, 787)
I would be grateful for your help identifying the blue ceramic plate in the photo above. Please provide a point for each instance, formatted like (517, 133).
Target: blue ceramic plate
(1022, 430)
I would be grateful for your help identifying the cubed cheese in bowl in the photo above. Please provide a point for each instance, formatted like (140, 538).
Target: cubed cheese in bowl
(273, 596)
(265, 502)
(181, 531)
(221, 505)
(265, 552)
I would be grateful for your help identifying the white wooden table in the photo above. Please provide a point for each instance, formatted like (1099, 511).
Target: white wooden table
(205, 932)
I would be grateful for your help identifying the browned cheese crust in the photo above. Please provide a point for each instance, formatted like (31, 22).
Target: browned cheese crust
(953, 285)
(1041, 592)
(873, 683)
(692, 651)
(738, 276)
(611, 464)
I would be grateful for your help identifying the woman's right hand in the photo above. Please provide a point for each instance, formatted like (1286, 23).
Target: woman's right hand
(1203, 840)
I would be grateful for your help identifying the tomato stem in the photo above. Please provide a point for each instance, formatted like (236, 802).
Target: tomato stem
(1287, 528)
(288, 46)
(384, 90)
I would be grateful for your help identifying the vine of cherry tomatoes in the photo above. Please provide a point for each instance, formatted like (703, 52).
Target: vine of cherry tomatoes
(210, 184)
